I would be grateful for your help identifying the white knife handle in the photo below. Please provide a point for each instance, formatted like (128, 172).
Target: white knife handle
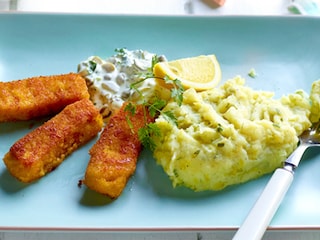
(262, 212)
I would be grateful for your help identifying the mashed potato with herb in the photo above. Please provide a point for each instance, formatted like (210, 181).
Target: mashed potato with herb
(229, 135)
(315, 100)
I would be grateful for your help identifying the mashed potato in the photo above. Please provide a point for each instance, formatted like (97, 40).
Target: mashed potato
(229, 135)
(315, 99)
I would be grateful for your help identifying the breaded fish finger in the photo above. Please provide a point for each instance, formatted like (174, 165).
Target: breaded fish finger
(114, 156)
(43, 149)
(40, 96)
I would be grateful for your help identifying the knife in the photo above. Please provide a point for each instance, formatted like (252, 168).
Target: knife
(267, 204)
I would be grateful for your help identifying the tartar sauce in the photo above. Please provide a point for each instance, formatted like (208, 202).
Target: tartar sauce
(109, 81)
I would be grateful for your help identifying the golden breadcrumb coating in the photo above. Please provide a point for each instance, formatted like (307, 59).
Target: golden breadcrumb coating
(44, 148)
(114, 156)
(40, 96)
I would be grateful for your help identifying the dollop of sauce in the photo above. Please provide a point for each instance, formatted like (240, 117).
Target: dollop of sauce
(110, 81)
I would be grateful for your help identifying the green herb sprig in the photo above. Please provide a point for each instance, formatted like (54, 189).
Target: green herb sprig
(155, 107)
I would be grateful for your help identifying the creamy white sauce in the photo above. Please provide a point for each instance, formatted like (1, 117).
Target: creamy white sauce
(109, 81)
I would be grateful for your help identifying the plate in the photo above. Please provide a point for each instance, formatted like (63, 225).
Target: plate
(283, 51)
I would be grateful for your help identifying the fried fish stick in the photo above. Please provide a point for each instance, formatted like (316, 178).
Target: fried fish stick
(114, 156)
(42, 150)
(40, 96)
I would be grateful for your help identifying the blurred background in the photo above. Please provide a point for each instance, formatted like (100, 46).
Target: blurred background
(180, 7)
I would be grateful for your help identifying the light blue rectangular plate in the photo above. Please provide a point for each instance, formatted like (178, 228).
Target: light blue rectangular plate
(285, 53)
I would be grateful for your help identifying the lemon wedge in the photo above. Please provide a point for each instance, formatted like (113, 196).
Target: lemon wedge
(201, 72)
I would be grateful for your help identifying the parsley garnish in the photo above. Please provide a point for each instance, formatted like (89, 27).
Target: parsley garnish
(177, 91)
(145, 135)
(169, 116)
(131, 108)
(154, 106)
(92, 65)
(120, 51)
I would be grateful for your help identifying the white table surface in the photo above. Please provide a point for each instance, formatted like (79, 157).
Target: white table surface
(162, 7)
